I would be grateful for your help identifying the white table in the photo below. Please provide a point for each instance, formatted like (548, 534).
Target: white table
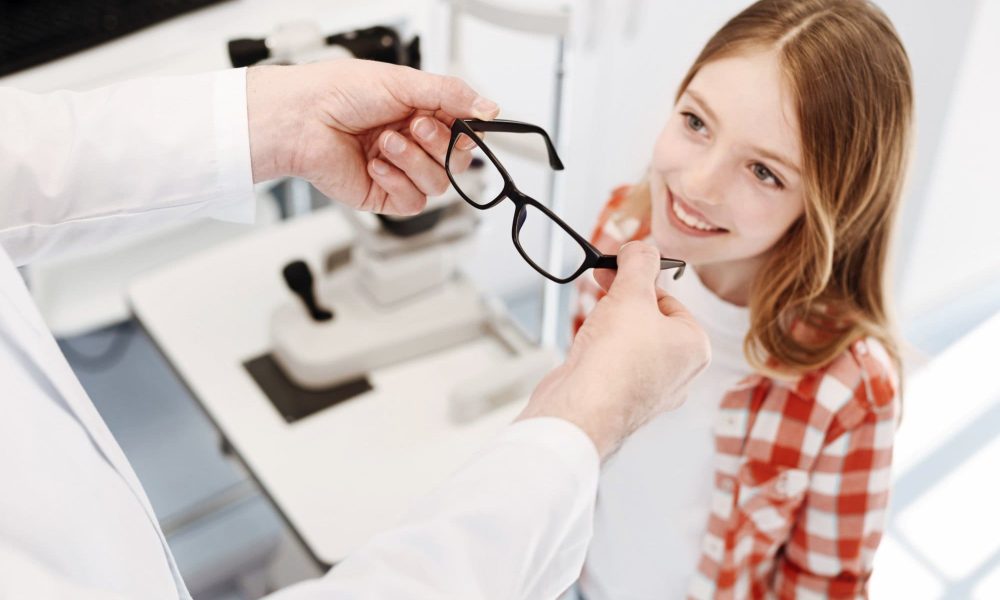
(349, 471)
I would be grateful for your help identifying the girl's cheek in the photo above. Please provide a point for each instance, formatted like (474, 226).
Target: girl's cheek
(751, 217)
(661, 156)
(669, 146)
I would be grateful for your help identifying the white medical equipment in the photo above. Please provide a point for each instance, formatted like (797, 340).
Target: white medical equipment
(395, 294)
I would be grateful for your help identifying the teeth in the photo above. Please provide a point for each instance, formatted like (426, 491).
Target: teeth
(691, 220)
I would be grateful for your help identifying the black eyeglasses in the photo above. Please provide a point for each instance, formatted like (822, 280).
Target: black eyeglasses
(497, 185)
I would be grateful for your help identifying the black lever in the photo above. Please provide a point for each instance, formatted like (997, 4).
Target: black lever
(300, 280)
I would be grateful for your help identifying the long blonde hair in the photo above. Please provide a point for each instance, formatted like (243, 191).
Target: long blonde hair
(826, 276)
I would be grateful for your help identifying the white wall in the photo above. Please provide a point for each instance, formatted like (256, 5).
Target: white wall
(955, 246)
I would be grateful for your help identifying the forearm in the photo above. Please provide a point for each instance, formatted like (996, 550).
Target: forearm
(25, 577)
(276, 110)
(514, 523)
(140, 152)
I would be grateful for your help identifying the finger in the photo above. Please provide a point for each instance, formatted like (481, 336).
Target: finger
(394, 192)
(604, 278)
(425, 172)
(426, 91)
(464, 142)
(638, 267)
(669, 305)
(435, 137)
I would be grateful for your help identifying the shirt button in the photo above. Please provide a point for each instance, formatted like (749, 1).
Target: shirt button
(781, 485)
(714, 548)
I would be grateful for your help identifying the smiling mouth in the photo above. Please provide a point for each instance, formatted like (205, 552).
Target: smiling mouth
(687, 217)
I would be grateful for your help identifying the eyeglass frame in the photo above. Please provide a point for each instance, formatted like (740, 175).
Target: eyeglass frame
(594, 258)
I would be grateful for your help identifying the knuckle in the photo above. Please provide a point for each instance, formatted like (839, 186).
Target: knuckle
(644, 249)
(454, 84)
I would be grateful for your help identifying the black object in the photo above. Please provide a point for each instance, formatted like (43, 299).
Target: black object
(37, 31)
(425, 221)
(244, 52)
(377, 43)
(300, 280)
(292, 401)
(411, 226)
(593, 258)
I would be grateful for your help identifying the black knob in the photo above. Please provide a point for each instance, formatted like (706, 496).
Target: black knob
(245, 52)
(299, 279)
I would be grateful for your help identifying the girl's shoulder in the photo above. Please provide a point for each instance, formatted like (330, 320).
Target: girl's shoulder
(861, 385)
(849, 405)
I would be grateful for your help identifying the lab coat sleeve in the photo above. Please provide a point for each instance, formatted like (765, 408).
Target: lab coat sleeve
(514, 523)
(78, 167)
(22, 577)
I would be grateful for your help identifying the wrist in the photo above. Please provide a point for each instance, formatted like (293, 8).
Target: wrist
(605, 427)
(275, 108)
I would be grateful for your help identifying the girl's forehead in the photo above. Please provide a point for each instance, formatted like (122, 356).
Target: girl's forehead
(748, 97)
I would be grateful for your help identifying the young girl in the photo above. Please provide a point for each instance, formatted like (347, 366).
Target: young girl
(777, 177)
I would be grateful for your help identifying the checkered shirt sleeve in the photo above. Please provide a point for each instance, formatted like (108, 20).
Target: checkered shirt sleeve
(832, 544)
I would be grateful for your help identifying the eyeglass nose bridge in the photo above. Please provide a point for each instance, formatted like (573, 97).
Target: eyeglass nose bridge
(521, 202)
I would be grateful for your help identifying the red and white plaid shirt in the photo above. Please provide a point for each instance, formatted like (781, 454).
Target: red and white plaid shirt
(802, 467)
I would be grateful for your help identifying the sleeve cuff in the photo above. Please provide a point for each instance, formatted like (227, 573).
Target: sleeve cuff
(232, 139)
(559, 437)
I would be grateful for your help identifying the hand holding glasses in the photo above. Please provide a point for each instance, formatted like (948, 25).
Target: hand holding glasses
(581, 254)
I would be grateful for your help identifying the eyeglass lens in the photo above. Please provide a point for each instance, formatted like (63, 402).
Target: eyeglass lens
(532, 233)
(532, 236)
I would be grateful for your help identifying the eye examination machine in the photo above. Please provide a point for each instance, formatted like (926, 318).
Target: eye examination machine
(392, 294)
(392, 291)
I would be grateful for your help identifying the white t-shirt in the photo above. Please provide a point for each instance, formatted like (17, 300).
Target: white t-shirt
(653, 500)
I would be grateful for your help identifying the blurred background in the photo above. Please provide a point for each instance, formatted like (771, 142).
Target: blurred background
(600, 76)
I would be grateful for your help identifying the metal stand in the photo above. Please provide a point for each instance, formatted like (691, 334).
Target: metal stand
(554, 21)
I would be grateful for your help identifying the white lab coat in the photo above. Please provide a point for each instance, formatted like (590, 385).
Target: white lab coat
(74, 520)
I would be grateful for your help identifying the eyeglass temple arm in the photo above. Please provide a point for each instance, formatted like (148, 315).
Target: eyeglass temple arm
(507, 126)
(610, 261)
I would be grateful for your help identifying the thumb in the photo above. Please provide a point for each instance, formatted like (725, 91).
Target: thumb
(604, 278)
(670, 306)
(427, 91)
(638, 266)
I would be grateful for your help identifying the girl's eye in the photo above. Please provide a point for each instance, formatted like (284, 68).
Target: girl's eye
(764, 174)
(693, 122)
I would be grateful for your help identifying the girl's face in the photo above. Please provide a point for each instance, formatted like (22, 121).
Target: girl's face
(725, 176)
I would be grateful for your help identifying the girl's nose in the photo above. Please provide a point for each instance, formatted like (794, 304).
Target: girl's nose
(703, 180)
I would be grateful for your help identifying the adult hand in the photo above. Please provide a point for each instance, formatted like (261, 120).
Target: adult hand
(368, 134)
(632, 359)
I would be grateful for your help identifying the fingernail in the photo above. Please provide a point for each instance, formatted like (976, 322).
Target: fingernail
(394, 143)
(380, 167)
(483, 108)
(423, 128)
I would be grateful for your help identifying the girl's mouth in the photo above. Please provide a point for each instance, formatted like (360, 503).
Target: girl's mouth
(686, 219)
